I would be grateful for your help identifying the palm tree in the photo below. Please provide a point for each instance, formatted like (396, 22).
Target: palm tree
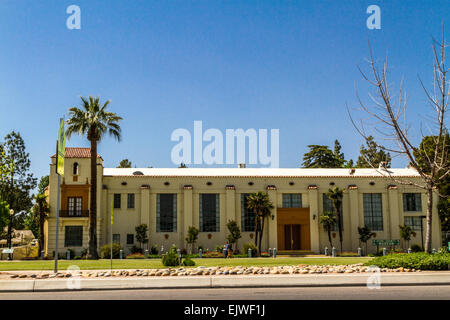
(93, 120)
(261, 205)
(336, 195)
(42, 210)
(328, 220)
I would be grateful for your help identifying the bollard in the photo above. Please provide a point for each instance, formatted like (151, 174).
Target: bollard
(270, 252)
(274, 253)
(224, 251)
(433, 251)
(200, 253)
(359, 252)
(409, 250)
(249, 253)
(333, 252)
(121, 254)
(42, 254)
(327, 251)
(68, 255)
(146, 253)
(384, 251)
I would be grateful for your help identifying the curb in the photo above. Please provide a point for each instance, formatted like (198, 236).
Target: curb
(209, 282)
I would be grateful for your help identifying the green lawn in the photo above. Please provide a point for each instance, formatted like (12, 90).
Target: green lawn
(156, 263)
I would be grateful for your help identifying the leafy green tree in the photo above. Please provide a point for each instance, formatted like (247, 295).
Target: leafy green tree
(426, 148)
(43, 183)
(4, 216)
(93, 120)
(320, 157)
(364, 235)
(18, 182)
(338, 155)
(141, 234)
(335, 195)
(406, 233)
(125, 163)
(235, 232)
(372, 155)
(261, 205)
(328, 220)
(192, 236)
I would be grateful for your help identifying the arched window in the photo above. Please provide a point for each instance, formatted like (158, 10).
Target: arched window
(75, 168)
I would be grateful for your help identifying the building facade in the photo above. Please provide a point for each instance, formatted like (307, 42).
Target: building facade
(170, 200)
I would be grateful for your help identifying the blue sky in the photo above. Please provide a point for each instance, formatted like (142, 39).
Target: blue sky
(288, 65)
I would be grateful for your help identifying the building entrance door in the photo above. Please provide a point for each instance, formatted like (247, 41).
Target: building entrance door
(292, 237)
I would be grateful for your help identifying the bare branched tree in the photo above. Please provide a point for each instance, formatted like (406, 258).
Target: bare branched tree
(387, 118)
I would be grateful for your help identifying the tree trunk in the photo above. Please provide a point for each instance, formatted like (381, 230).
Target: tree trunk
(329, 237)
(256, 229)
(260, 236)
(338, 214)
(92, 249)
(429, 218)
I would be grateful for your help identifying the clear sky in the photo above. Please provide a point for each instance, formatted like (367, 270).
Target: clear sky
(287, 65)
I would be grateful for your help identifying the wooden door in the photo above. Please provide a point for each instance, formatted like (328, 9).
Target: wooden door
(295, 234)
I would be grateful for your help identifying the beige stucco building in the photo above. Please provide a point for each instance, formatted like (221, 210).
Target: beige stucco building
(169, 200)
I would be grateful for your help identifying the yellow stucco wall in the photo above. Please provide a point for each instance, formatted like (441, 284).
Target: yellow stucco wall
(125, 220)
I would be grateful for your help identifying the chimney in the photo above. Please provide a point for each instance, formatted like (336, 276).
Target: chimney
(241, 165)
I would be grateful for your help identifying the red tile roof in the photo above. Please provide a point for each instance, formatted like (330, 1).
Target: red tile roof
(73, 152)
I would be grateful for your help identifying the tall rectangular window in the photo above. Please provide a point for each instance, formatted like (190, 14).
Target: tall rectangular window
(247, 215)
(116, 238)
(209, 212)
(412, 202)
(116, 200)
(73, 236)
(328, 206)
(414, 222)
(166, 212)
(130, 201)
(292, 200)
(130, 238)
(74, 205)
(373, 212)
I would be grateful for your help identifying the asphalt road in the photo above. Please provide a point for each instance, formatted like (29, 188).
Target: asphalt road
(308, 293)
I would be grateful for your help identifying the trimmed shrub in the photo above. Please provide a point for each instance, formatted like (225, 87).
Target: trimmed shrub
(188, 262)
(154, 250)
(418, 260)
(219, 249)
(251, 246)
(416, 248)
(348, 254)
(136, 249)
(105, 251)
(171, 259)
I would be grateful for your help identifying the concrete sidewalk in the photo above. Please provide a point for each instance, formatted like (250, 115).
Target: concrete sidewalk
(230, 281)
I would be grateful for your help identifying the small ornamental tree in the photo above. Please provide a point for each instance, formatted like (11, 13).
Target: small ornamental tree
(405, 233)
(191, 237)
(365, 234)
(235, 232)
(141, 234)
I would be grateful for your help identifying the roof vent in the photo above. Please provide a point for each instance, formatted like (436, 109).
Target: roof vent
(138, 173)
(352, 171)
(241, 165)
